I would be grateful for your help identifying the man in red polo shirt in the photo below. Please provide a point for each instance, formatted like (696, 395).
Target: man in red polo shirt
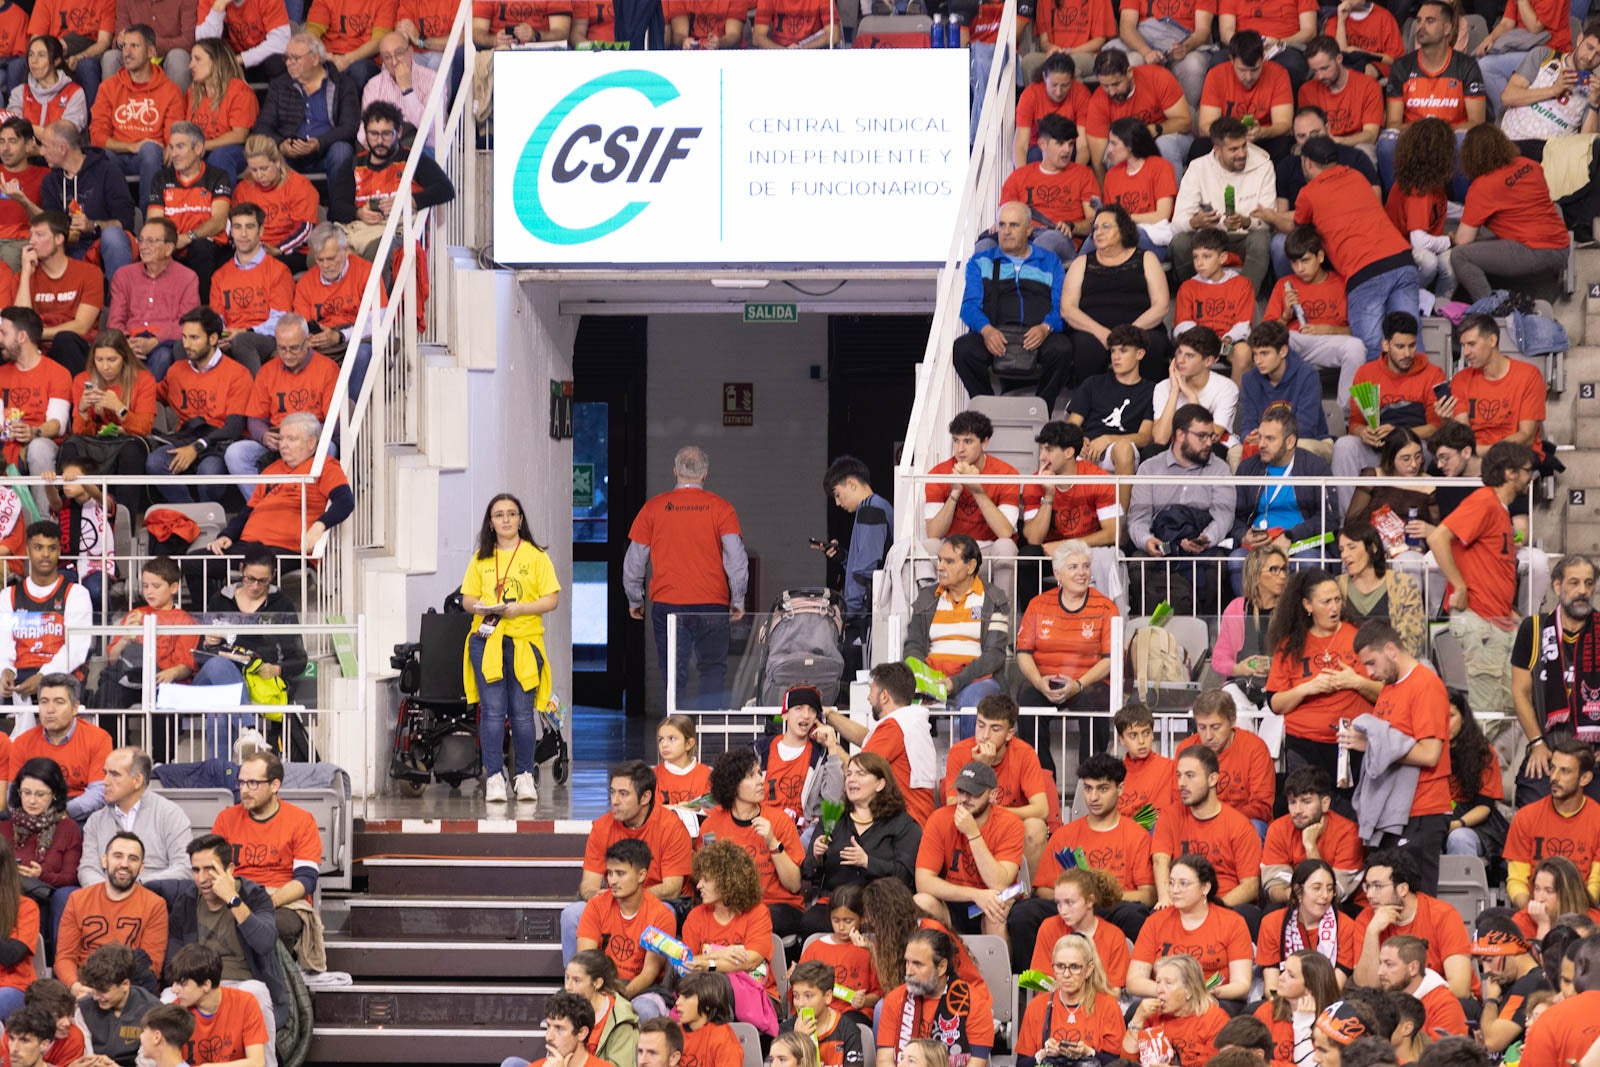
(1149, 93)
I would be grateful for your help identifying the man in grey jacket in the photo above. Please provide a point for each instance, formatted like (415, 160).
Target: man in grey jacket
(961, 627)
(132, 806)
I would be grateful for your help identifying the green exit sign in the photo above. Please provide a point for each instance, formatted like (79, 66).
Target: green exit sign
(770, 313)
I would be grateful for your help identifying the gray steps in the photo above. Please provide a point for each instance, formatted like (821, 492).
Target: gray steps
(445, 957)
(447, 876)
(423, 1045)
(460, 918)
(434, 1005)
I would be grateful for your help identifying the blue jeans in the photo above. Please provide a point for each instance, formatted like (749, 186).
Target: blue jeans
(10, 1002)
(498, 701)
(1463, 841)
(221, 728)
(243, 458)
(159, 361)
(16, 72)
(88, 74)
(980, 59)
(964, 726)
(146, 162)
(571, 915)
(362, 354)
(1369, 302)
(229, 159)
(703, 629)
(170, 487)
(1497, 70)
(95, 585)
(338, 161)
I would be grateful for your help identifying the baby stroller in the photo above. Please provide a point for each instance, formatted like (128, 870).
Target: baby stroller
(801, 642)
(552, 742)
(436, 735)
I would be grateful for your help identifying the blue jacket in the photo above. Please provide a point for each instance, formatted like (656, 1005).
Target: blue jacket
(869, 543)
(1318, 510)
(1015, 296)
(1300, 388)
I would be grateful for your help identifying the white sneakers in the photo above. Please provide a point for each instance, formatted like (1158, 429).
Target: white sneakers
(494, 790)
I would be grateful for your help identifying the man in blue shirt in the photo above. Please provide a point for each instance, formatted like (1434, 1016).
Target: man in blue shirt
(848, 484)
(1299, 520)
(313, 111)
(1281, 377)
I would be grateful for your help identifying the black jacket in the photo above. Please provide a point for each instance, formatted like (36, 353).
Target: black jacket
(284, 649)
(99, 187)
(258, 934)
(284, 108)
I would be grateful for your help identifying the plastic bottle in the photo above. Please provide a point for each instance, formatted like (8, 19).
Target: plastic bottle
(1299, 309)
(1411, 517)
(1227, 200)
(936, 34)
(952, 31)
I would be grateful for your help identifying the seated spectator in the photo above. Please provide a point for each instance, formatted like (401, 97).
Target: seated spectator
(729, 931)
(1395, 909)
(569, 1028)
(108, 976)
(114, 392)
(287, 197)
(1310, 920)
(1058, 190)
(1311, 830)
(132, 119)
(282, 655)
(1402, 968)
(47, 842)
(1081, 986)
(762, 829)
(680, 777)
(615, 1036)
(935, 1001)
(1508, 195)
(36, 615)
(194, 195)
(1306, 984)
(877, 840)
(1190, 381)
(300, 379)
(253, 292)
(1242, 757)
(49, 94)
(66, 293)
(1241, 652)
(149, 297)
(498, 25)
(1115, 285)
(38, 394)
(278, 844)
(1476, 787)
(970, 851)
(1216, 296)
(1538, 104)
(1232, 162)
(1374, 588)
(595, 20)
(1064, 651)
(1012, 308)
(20, 181)
(704, 1010)
(1367, 34)
(1424, 168)
(1245, 87)
(1279, 378)
(1299, 522)
(1310, 122)
(1565, 813)
(1557, 890)
(85, 33)
(1406, 381)
(973, 623)
(131, 806)
(806, 25)
(159, 581)
(1350, 98)
(115, 910)
(20, 916)
(1115, 407)
(1434, 81)
(349, 32)
(1148, 93)
(85, 513)
(986, 513)
(77, 746)
(1317, 296)
(835, 1036)
(1285, 30)
(313, 111)
(1057, 90)
(841, 948)
(330, 297)
(33, 1030)
(1188, 520)
(1075, 32)
(164, 1032)
(1203, 825)
(1141, 182)
(704, 24)
(255, 31)
(1054, 514)
(1079, 893)
(1511, 976)
(174, 25)
(227, 1020)
(1182, 1014)
(208, 396)
(378, 170)
(405, 83)
(102, 226)
(614, 918)
(221, 105)
(1516, 38)
(660, 1043)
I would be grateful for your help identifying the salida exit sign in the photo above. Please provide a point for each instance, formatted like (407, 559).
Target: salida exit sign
(771, 313)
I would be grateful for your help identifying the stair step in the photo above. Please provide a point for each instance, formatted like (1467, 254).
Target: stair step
(386, 840)
(433, 1005)
(452, 1044)
(449, 875)
(447, 957)
(470, 919)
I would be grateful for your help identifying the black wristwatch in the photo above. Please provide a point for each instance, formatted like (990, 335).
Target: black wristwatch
(236, 901)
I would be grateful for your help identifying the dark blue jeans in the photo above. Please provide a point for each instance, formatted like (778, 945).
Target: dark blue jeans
(702, 628)
(498, 702)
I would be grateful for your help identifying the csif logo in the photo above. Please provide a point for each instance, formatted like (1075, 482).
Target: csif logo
(629, 154)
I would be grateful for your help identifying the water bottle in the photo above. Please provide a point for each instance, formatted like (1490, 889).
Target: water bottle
(1299, 309)
(1412, 541)
(1227, 200)
(952, 31)
(936, 34)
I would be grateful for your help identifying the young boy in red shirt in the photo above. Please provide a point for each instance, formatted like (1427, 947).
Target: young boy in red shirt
(1312, 304)
(159, 582)
(1217, 297)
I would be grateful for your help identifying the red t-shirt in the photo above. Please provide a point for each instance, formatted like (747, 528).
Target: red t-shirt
(245, 297)
(683, 529)
(268, 850)
(1099, 1026)
(246, 25)
(786, 779)
(1245, 775)
(1224, 91)
(1317, 717)
(792, 21)
(31, 392)
(751, 929)
(1514, 201)
(1486, 556)
(1269, 945)
(852, 967)
(81, 756)
(1377, 33)
(707, 18)
(1226, 839)
(57, 299)
(1497, 409)
(968, 518)
(1192, 1038)
(1538, 830)
(662, 830)
(713, 1045)
(1077, 510)
(507, 14)
(1218, 306)
(1219, 940)
(1154, 91)
(1068, 24)
(1122, 851)
(213, 393)
(1418, 706)
(1339, 844)
(946, 852)
(1421, 210)
(1066, 643)
(888, 740)
(1020, 775)
(1152, 780)
(1415, 387)
(279, 392)
(618, 935)
(674, 787)
(1058, 196)
(1565, 1031)
(1358, 104)
(1269, 18)
(726, 828)
(1035, 103)
(277, 516)
(1437, 923)
(1340, 203)
(1180, 11)
(13, 220)
(1110, 944)
(350, 24)
(1139, 193)
(1324, 302)
(1553, 15)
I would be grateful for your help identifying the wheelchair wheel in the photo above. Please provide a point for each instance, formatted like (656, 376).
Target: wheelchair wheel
(411, 789)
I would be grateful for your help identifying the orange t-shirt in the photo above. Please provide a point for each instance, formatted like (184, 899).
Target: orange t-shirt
(1339, 844)
(506, 14)
(81, 757)
(1496, 409)
(1066, 643)
(1317, 718)
(1154, 90)
(670, 855)
(1269, 943)
(1486, 556)
(1378, 33)
(1358, 104)
(966, 966)
(852, 967)
(1191, 1037)
(968, 518)
(237, 110)
(1491, 781)
(947, 853)
(1152, 780)
(1018, 772)
(266, 851)
(1058, 196)
(350, 24)
(618, 935)
(707, 18)
(1325, 303)
(280, 392)
(725, 827)
(1219, 306)
(57, 18)
(141, 415)
(674, 787)
(213, 394)
(786, 778)
(1423, 210)
(1418, 706)
(1226, 839)
(246, 25)
(1246, 774)
(684, 529)
(1515, 202)
(751, 929)
(172, 650)
(13, 219)
(32, 391)
(92, 919)
(132, 111)
(1566, 1031)
(276, 517)
(1224, 91)
(1068, 25)
(1122, 851)
(1539, 831)
(57, 299)
(713, 1045)
(1437, 923)
(1180, 11)
(1356, 233)
(333, 305)
(1282, 1033)
(1139, 193)
(288, 206)
(14, 37)
(1100, 1026)
(1110, 944)
(1215, 943)
(228, 1034)
(792, 21)
(1035, 103)
(26, 931)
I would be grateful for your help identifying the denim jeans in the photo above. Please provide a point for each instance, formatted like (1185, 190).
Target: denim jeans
(222, 727)
(967, 725)
(229, 159)
(171, 487)
(146, 162)
(702, 630)
(243, 458)
(497, 702)
(1369, 302)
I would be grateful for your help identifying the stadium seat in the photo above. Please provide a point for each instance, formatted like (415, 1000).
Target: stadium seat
(1017, 420)
(332, 814)
(993, 958)
(1337, 415)
(1448, 657)
(893, 31)
(210, 517)
(200, 805)
(869, 1043)
(1464, 885)
(779, 966)
(1438, 341)
(750, 1041)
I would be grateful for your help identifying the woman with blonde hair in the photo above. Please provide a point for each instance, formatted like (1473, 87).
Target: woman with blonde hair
(924, 1052)
(790, 1049)
(286, 196)
(1180, 1023)
(1081, 1018)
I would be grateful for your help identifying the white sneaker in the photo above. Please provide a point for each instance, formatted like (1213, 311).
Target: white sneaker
(494, 790)
(526, 788)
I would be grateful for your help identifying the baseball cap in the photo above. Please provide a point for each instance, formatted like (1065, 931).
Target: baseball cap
(976, 778)
(1340, 1024)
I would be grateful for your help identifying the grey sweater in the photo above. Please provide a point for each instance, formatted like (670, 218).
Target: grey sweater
(1384, 794)
(160, 824)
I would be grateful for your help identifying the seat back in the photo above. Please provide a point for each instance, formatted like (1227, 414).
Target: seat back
(993, 958)
(893, 31)
(1449, 658)
(778, 964)
(332, 816)
(201, 806)
(750, 1042)
(209, 516)
(1464, 885)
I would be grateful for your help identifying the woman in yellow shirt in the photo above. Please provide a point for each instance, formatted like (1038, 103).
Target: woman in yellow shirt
(509, 586)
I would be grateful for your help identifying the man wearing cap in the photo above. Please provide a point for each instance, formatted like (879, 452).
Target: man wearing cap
(970, 851)
(1340, 1023)
(1403, 968)
(1510, 977)
(1025, 788)
(796, 765)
